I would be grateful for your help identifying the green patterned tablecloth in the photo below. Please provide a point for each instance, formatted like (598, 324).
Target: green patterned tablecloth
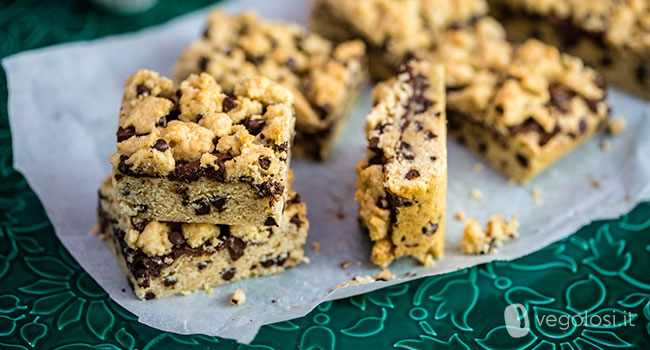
(47, 301)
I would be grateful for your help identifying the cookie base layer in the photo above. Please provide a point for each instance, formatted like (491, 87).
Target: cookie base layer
(204, 201)
(509, 154)
(218, 260)
(622, 67)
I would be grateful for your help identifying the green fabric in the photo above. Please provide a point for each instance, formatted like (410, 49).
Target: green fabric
(48, 302)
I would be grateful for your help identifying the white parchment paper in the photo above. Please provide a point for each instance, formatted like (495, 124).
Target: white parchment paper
(63, 107)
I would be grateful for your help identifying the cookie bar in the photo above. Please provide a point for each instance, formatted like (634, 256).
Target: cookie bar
(392, 29)
(162, 259)
(402, 182)
(325, 78)
(196, 154)
(521, 107)
(611, 35)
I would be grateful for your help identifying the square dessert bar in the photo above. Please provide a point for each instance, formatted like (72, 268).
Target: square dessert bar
(325, 78)
(162, 259)
(392, 29)
(196, 154)
(402, 182)
(521, 107)
(611, 35)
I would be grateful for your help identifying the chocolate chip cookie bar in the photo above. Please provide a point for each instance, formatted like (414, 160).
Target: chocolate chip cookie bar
(392, 29)
(197, 154)
(521, 107)
(325, 78)
(611, 35)
(402, 182)
(162, 259)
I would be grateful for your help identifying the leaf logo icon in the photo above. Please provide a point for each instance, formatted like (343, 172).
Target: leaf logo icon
(513, 315)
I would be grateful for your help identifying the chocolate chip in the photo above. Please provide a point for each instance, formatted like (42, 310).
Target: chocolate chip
(268, 263)
(582, 126)
(561, 97)
(265, 162)
(291, 63)
(160, 122)
(295, 199)
(254, 126)
(280, 260)
(203, 63)
(522, 160)
(118, 177)
(296, 220)
(186, 172)
(482, 147)
(125, 133)
(228, 274)
(405, 150)
(373, 143)
(433, 158)
(219, 203)
(431, 135)
(412, 174)
(235, 247)
(142, 89)
(138, 225)
(203, 208)
(176, 238)
(149, 295)
(430, 229)
(169, 283)
(173, 114)
(269, 189)
(229, 104)
(323, 111)
(161, 145)
(418, 126)
(202, 265)
(641, 73)
(383, 203)
(270, 222)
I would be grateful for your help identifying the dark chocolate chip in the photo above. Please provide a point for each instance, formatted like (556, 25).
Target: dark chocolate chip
(418, 126)
(430, 229)
(412, 174)
(149, 295)
(229, 104)
(169, 283)
(561, 97)
(295, 199)
(118, 177)
(383, 203)
(641, 73)
(202, 265)
(160, 122)
(482, 147)
(582, 126)
(268, 263)
(291, 64)
(176, 238)
(265, 162)
(161, 145)
(522, 160)
(269, 189)
(228, 274)
(125, 133)
(323, 111)
(296, 220)
(219, 203)
(142, 89)
(431, 135)
(270, 222)
(203, 208)
(254, 126)
(235, 247)
(203, 63)
(280, 260)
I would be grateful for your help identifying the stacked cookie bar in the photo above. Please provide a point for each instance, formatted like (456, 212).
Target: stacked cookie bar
(522, 107)
(200, 192)
(325, 78)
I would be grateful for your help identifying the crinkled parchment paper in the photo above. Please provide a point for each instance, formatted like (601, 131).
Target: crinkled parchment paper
(63, 107)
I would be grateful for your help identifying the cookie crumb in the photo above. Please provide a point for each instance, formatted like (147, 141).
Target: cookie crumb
(476, 194)
(605, 145)
(616, 125)
(305, 259)
(345, 264)
(384, 275)
(95, 230)
(428, 260)
(593, 182)
(238, 297)
(355, 281)
(478, 168)
(460, 216)
(186, 292)
(537, 196)
(476, 240)
(315, 247)
(210, 291)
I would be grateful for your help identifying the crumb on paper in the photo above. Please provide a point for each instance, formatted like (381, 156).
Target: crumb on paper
(315, 247)
(95, 230)
(210, 291)
(616, 125)
(593, 182)
(605, 145)
(355, 281)
(186, 292)
(345, 264)
(384, 275)
(477, 240)
(537, 196)
(429, 260)
(238, 297)
(460, 216)
(478, 168)
(305, 259)
(476, 194)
